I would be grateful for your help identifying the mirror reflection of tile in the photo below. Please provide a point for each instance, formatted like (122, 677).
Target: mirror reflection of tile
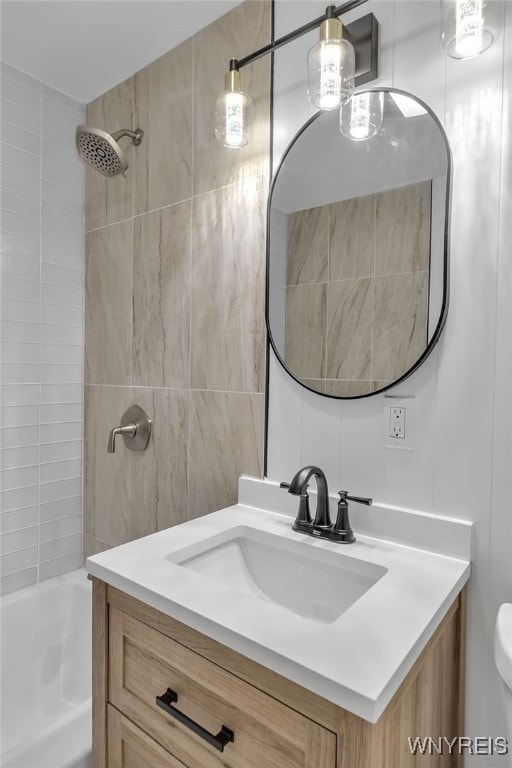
(357, 282)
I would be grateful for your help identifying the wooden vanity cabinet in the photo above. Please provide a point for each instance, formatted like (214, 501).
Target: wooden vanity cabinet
(139, 653)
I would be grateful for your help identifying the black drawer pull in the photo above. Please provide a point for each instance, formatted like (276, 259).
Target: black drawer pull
(223, 737)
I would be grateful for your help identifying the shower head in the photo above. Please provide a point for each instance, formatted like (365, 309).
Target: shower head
(102, 151)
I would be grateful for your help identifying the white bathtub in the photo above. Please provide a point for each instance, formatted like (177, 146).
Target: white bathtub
(46, 674)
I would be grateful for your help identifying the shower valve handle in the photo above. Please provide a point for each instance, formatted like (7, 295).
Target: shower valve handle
(135, 429)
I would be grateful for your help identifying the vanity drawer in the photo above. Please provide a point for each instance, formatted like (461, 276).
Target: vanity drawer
(145, 663)
(129, 747)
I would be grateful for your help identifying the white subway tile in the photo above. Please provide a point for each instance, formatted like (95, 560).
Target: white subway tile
(21, 139)
(20, 117)
(73, 178)
(14, 581)
(15, 179)
(61, 195)
(19, 457)
(70, 449)
(72, 237)
(13, 352)
(20, 202)
(59, 113)
(61, 134)
(63, 98)
(19, 478)
(53, 510)
(55, 313)
(19, 373)
(19, 518)
(19, 498)
(19, 331)
(59, 294)
(51, 550)
(57, 275)
(61, 374)
(20, 94)
(13, 266)
(16, 540)
(21, 311)
(19, 415)
(62, 393)
(62, 215)
(58, 153)
(57, 253)
(17, 288)
(17, 224)
(60, 353)
(60, 470)
(54, 414)
(18, 561)
(20, 160)
(60, 565)
(19, 245)
(57, 529)
(61, 334)
(18, 436)
(54, 433)
(16, 74)
(24, 394)
(60, 489)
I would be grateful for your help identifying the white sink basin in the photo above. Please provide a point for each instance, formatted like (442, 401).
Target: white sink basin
(315, 583)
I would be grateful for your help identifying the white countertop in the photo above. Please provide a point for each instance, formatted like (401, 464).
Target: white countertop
(358, 661)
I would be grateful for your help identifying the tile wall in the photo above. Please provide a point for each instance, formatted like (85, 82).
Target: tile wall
(462, 455)
(42, 279)
(175, 263)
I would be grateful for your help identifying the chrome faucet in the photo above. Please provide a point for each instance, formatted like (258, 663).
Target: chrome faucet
(322, 526)
(299, 487)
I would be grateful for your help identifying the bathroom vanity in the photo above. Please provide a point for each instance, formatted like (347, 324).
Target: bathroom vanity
(191, 671)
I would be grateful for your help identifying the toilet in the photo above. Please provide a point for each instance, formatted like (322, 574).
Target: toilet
(503, 656)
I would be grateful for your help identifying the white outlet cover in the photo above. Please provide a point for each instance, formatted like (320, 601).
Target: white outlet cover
(401, 443)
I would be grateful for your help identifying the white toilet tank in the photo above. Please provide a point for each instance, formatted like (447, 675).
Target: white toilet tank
(503, 656)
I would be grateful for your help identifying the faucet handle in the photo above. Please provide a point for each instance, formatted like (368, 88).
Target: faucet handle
(284, 485)
(344, 497)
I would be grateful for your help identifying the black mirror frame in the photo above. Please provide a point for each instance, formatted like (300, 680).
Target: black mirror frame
(446, 262)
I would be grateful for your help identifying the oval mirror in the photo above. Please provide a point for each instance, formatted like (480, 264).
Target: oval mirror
(357, 247)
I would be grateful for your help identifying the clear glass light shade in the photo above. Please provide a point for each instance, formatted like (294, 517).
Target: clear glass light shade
(234, 117)
(331, 70)
(361, 118)
(466, 29)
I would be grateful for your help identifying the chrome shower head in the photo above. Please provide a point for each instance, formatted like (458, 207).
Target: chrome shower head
(101, 150)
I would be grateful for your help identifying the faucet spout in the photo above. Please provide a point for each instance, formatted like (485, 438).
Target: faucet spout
(299, 485)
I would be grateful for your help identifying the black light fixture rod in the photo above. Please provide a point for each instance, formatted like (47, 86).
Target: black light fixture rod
(271, 47)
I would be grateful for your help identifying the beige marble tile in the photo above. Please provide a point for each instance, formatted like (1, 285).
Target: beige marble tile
(347, 387)
(308, 246)
(349, 329)
(306, 313)
(111, 199)
(377, 385)
(163, 109)
(400, 332)
(92, 546)
(226, 440)
(402, 242)
(158, 475)
(108, 305)
(106, 475)
(352, 238)
(236, 34)
(228, 278)
(161, 297)
(318, 385)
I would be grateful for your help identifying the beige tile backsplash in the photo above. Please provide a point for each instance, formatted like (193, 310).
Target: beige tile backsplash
(175, 283)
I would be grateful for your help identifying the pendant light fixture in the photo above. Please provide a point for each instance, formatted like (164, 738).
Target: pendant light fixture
(331, 66)
(234, 112)
(361, 118)
(465, 29)
(343, 58)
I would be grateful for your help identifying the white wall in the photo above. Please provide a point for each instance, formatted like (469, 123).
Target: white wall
(461, 464)
(42, 263)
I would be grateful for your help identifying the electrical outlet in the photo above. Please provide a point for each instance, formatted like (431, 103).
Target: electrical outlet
(397, 422)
